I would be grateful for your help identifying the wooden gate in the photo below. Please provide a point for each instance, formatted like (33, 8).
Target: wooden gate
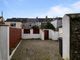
(15, 37)
(46, 34)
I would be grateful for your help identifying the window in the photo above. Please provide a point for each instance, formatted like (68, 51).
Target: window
(13, 24)
(35, 31)
(26, 31)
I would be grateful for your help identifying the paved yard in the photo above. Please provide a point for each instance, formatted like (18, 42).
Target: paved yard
(37, 50)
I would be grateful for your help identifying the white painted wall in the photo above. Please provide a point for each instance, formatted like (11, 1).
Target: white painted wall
(18, 24)
(42, 34)
(66, 37)
(54, 35)
(4, 42)
(31, 35)
(60, 32)
(54, 23)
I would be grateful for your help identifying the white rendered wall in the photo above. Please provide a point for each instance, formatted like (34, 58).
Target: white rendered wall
(54, 23)
(42, 34)
(66, 37)
(18, 24)
(4, 43)
(54, 35)
(60, 32)
(31, 35)
(50, 34)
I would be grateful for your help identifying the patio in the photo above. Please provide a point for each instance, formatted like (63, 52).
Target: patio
(37, 50)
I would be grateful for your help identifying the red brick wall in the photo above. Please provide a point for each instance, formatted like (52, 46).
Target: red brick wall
(15, 37)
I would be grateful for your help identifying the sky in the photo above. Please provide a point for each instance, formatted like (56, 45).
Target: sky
(38, 8)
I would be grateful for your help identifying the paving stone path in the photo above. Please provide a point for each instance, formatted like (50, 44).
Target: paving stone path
(37, 50)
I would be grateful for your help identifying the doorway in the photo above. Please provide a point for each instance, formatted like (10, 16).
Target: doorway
(46, 34)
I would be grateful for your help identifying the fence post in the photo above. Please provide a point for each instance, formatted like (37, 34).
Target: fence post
(4, 42)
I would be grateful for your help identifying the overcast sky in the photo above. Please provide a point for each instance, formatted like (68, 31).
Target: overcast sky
(40, 8)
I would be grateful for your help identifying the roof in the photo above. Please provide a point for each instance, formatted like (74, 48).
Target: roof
(14, 20)
(28, 19)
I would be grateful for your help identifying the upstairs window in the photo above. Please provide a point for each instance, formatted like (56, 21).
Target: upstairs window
(26, 31)
(13, 24)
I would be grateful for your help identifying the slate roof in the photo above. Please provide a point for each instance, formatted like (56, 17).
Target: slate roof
(14, 20)
(28, 19)
(57, 18)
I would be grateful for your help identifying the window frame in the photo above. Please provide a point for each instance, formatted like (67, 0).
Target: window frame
(26, 31)
(36, 31)
(13, 24)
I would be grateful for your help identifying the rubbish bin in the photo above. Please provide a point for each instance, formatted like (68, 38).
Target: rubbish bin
(60, 45)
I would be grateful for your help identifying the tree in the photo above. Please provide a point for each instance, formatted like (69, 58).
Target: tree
(49, 26)
(35, 27)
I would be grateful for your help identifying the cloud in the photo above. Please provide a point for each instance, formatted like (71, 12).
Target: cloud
(76, 5)
(60, 10)
(57, 11)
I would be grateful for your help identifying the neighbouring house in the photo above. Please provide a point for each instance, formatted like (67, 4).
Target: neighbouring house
(71, 36)
(57, 22)
(27, 23)
(14, 22)
(34, 27)
(30, 22)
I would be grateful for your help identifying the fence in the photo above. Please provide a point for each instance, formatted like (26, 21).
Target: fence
(14, 36)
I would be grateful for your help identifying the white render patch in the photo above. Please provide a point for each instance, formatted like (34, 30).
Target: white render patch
(54, 35)
(66, 38)
(60, 32)
(4, 42)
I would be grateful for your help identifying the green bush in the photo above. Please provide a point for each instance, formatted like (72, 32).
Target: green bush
(49, 26)
(35, 27)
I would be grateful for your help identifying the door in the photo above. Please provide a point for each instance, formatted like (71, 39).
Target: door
(46, 34)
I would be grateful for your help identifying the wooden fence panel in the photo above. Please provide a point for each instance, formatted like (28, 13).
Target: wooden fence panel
(15, 37)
